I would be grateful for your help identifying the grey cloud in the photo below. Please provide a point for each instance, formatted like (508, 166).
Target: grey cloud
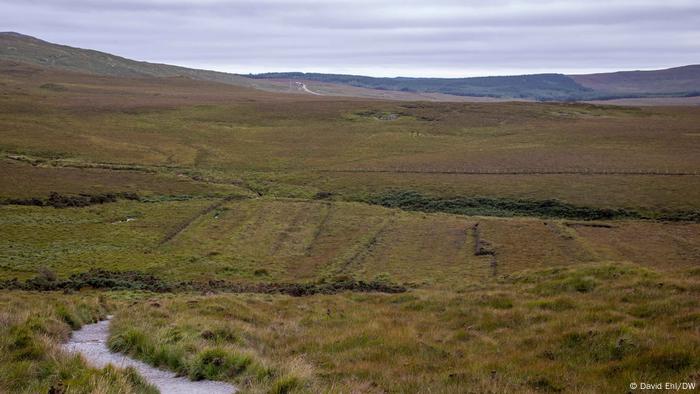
(444, 37)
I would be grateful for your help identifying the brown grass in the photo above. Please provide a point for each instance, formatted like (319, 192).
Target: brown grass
(565, 307)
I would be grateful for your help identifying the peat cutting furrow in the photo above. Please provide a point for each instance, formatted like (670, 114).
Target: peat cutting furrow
(319, 228)
(364, 249)
(175, 231)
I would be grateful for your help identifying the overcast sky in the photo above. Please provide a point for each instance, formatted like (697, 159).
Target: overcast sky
(373, 37)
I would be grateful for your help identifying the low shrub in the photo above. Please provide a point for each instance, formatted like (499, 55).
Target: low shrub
(497, 302)
(285, 384)
(58, 200)
(488, 206)
(414, 201)
(556, 305)
(135, 280)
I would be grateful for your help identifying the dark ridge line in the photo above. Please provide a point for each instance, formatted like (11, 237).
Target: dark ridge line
(410, 200)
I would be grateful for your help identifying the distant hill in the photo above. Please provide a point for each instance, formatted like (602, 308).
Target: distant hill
(27, 49)
(673, 82)
(538, 86)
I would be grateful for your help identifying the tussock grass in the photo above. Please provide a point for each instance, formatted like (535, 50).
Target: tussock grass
(32, 325)
(210, 348)
(533, 331)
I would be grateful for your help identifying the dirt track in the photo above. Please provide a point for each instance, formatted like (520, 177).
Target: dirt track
(91, 342)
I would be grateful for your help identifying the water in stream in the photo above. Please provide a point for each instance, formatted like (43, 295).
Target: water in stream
(91, 342)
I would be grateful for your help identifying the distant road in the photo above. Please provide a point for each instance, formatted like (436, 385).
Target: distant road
(304, 88)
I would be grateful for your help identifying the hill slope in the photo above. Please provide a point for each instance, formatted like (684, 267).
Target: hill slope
(20, 48)
(673, 81)
(538, 86)
(27, 49)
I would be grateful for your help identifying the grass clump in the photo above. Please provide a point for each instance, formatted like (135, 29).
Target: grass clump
(498, 301)
(600, 346)
(205, 349)
(556, 305)
(31, 326)
(136, 343)
(218, 364)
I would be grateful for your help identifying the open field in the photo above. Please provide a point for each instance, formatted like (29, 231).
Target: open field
(230, 134)
(589, 328)
(437, 247)
(298, 240)
(584, 328)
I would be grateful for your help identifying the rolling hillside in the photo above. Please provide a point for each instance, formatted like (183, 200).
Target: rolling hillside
(674, 82)
(540, 87)
(26, 49)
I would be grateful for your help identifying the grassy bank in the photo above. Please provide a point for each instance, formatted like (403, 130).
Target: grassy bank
(253, 243)
(592, 328)
(32, 326)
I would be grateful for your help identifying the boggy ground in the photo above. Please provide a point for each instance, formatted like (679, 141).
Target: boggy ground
(295, 146)
(592, 327)
(534, 247)
(544, 305)
(263, 240)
